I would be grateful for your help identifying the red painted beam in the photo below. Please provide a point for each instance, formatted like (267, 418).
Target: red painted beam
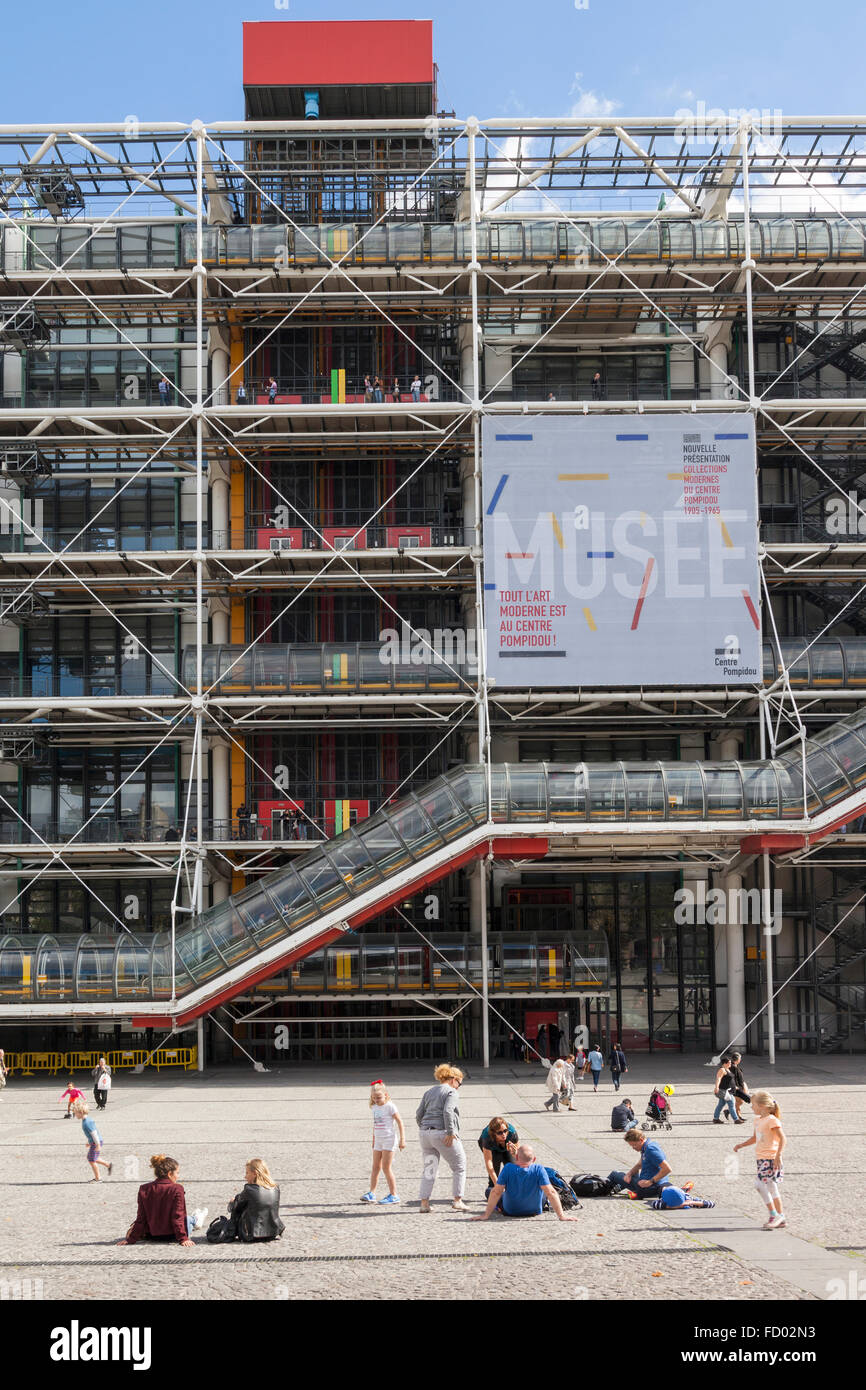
(264, 973)
(757, 844)
(520, 847)
(432, 876)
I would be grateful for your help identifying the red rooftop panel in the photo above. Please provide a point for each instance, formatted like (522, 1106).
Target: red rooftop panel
(338, 52)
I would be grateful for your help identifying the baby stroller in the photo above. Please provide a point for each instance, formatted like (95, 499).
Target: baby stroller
(658, 1110)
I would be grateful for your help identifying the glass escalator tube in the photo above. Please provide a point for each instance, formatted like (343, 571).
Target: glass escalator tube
(16, 983)
(527, 792)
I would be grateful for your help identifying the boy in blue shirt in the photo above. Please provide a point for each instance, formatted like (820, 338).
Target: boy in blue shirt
(651, 1171)
(522, 1187)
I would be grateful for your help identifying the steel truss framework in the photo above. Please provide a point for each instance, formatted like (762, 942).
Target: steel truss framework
(654, 175)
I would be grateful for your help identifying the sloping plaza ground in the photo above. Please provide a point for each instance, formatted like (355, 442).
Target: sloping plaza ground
(312, 1126)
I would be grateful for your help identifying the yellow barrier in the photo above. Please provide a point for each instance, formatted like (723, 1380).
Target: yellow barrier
(26, 1063)
(29, 1062)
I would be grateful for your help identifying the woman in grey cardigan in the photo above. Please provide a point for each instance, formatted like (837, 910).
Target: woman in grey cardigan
(439, 1131)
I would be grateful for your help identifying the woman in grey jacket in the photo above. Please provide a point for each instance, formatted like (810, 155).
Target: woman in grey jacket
(439, 1132)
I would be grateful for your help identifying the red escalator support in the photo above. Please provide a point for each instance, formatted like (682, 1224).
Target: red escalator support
(502, 847)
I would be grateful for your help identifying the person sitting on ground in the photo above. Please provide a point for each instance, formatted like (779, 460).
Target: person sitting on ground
(498, 1144)
(256, 1210)
(622, 1117)
(649, 1174)
(162, 1207)
(676, 1198)
(521, 1188)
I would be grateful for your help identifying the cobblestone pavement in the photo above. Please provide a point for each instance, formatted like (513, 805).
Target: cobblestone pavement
(312, 1126)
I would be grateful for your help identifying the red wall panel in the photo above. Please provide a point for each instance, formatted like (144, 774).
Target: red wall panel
(338, 53)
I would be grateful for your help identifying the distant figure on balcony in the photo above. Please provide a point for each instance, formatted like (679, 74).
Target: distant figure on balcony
(368, 390)
(243, 822)
(164, 388)
(378, 391)
(415, 388)
(550, 396)
(597, 388)
(272, 391)
(172, 833)
(395, 389)
(242, 395)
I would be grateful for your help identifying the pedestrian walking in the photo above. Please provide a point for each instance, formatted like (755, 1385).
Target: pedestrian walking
(554, 1040)
(741, 1089)
(93, 1140)
(161, 1211)
(553, 1081)
(596, 1062)
(4, 1070)
(438, 1119)
(272, 391)
(617, 1064)
(579, 1061)
(498, 1142)
(71, 1095)
(567, 1092)
(724, 1090)
(769, 1140)
(101, 1083)
(388, 1135)
(415, 388)
(541, 1040)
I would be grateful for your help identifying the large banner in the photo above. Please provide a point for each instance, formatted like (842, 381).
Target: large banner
(621, 550)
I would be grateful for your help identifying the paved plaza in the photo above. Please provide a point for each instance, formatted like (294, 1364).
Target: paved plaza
(312, 1126)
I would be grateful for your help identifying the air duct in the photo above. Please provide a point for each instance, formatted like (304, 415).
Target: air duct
(311, 105)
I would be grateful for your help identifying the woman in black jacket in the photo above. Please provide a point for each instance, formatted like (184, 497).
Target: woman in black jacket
(255, 1212)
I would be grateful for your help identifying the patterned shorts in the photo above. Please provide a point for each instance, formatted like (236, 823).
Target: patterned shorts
(93, 1152)
(767, 1172)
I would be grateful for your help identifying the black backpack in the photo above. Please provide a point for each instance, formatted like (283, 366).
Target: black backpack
(221, 1230)
(567, 1196)
(590, 1185)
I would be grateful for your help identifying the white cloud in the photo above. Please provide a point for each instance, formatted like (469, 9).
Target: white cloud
(591, 106)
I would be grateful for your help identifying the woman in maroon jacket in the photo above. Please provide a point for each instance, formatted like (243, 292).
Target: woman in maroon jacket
(162, 1207)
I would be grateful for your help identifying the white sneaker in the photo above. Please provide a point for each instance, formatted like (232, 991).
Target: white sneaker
(199, 1217)
(772, 1222)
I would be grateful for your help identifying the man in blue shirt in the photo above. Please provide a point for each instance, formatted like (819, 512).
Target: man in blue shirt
(523, 1186)
(650, 1173)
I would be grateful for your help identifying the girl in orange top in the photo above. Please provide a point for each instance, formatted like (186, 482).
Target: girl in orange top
(769, 1140)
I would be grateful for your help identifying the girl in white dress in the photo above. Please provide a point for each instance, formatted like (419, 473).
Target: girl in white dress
(388, 1135)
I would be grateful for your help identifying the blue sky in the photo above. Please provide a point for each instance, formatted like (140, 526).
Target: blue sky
(178, 59)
